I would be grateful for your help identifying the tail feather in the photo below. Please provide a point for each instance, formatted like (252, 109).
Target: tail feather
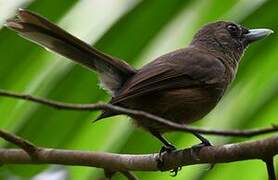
(113, 72)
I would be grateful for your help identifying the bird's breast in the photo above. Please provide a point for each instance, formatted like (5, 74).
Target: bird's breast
(189, 105)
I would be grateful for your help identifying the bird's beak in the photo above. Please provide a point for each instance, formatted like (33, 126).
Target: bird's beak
(257, 34)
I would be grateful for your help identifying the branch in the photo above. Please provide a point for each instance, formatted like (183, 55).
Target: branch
(170, 125)
(264, 149)
(28, 147)
(259, 149)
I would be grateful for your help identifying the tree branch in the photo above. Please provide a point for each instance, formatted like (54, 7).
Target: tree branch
(260, 149)
(171, 125)
(27, 146)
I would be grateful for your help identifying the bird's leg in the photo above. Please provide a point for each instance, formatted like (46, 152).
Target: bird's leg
(198, 147)
(204, 141)
(168, 148)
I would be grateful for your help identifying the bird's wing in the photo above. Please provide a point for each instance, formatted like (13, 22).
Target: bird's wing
(185, 68)
(33, 27)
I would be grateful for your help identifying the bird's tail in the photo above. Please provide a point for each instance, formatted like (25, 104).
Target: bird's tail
(113, 72)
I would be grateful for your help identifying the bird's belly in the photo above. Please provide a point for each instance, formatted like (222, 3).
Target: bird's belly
(181, 106)
(189, 105)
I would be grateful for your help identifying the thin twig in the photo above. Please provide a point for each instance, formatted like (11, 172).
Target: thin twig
(27, 146)
(170, 125)
(259, 149)
(270, 168)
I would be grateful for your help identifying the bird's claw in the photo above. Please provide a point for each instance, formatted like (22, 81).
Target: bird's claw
(160, 160)
(175, 171)
(201, 145)
(196, 149)
(167, 149)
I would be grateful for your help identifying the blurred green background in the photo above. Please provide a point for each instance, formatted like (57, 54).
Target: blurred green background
(136, 31)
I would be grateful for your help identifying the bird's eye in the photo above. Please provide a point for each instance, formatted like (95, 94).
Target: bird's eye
(233, 29)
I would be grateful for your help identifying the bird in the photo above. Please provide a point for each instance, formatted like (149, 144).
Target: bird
(181, 86)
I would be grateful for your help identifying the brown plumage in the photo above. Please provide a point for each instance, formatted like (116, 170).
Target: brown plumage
(181, 86)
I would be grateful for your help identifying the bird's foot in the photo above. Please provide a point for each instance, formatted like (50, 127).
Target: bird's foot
(160, 161)
(168, 149)
(175, 171)
(204, 143)
(196, 149)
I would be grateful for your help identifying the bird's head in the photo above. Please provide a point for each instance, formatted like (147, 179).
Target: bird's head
(228, 38)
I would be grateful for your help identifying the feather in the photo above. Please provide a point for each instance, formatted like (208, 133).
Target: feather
(113, 72)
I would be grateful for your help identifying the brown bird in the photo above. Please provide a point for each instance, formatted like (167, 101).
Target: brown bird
(181, 86)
